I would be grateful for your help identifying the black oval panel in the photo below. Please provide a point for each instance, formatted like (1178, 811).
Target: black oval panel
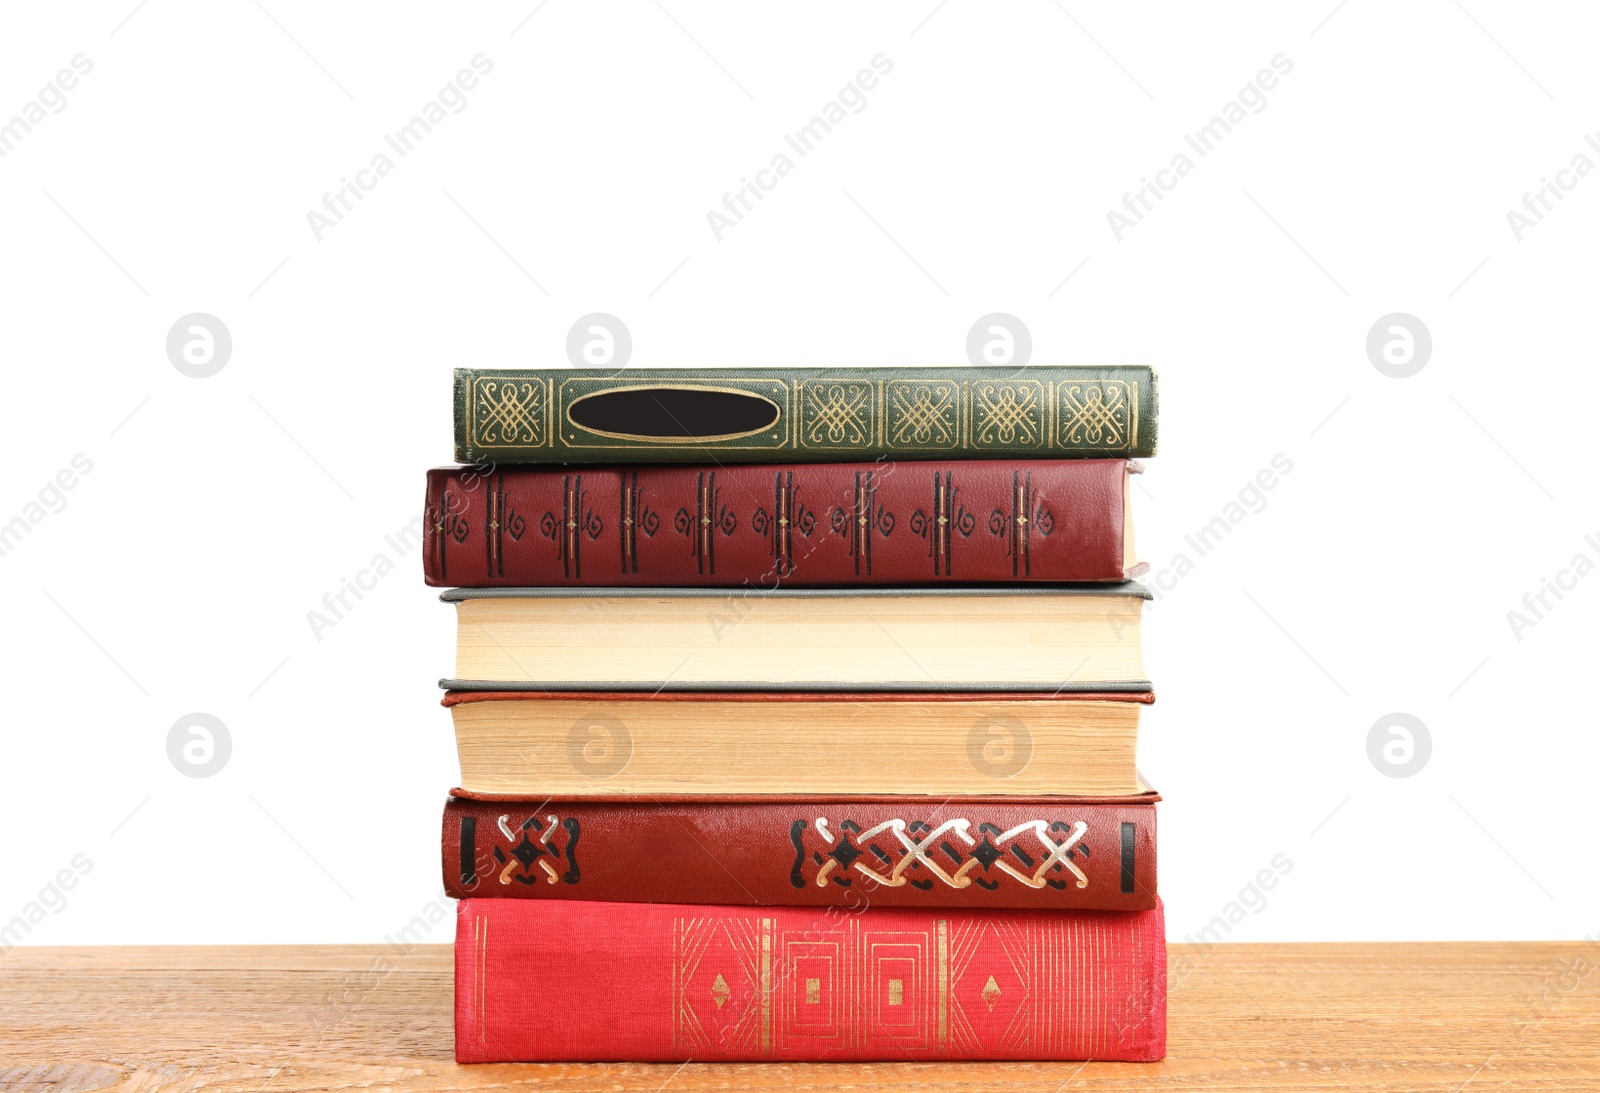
(674, 413)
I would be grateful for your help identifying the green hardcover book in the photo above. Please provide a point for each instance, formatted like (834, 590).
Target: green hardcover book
(638, 415)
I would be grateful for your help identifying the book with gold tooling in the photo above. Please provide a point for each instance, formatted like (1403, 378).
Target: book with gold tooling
(797, 713)
(595, 982)
(802, 415)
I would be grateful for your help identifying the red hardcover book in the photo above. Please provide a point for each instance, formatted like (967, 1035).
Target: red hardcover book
(602, 982)
(807, 524)
(1048, 853)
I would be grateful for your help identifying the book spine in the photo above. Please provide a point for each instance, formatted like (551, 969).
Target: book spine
(603, 982)
(1047, 853)
(802, 415)
(778, 525)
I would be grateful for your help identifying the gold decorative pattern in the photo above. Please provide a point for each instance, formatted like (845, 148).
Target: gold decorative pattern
(969, 986)
(923, 415)
(1098, 414)
(822, 414)
(733, 1016)
(837, 415)
(1008, 415)
(898, 986)
(510, 413)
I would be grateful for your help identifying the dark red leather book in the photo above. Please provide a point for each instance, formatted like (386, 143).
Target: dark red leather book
(661, 982)
(808, 524)
(1049, 853)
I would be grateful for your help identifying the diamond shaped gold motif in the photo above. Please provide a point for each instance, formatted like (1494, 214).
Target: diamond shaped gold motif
(720, 991)
(991, 991)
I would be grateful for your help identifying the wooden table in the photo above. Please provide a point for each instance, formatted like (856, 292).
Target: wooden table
(1289, 1017)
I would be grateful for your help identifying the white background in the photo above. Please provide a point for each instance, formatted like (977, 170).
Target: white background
(978, 177)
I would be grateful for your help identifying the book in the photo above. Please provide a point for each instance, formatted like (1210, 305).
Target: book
(789, 524)
(801, 415)
(1048, 853)
(566, 744)
(602, 982)
(1030, 638)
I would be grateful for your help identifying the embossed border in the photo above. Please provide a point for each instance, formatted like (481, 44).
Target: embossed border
(778, 393)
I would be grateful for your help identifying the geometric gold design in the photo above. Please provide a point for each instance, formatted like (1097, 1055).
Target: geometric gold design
(1095, 414)
(966, 986)
(923, 415)
(1008, 415)
(510, 412)
(731, 1010)
(823, 413)
(837, 415)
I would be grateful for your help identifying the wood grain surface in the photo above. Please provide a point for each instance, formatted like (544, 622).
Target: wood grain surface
(283, 1019)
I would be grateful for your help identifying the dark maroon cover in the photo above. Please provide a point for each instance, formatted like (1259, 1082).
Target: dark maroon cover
(1085, 853)
(769, 525)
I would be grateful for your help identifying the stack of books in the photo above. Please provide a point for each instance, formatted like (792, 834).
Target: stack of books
(796, 713)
